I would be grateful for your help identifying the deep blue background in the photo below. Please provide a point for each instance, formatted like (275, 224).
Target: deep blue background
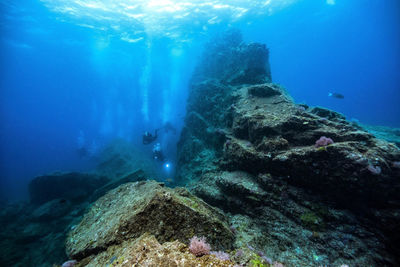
(352, 47)
(59, 79)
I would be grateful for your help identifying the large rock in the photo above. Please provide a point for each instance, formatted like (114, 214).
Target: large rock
(59, 201)
(132, 209)
(391, 135)
(28, 232)
(247, 148)
(51, 210)
(73, 186)
(232, 62)
(273, 135)
(120, 158)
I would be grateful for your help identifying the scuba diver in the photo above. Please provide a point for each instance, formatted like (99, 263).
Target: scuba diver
(148, 138)
(157, 153)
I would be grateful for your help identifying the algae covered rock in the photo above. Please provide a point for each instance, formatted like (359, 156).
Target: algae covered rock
(132, 209)
(249, 149)
(147, 251)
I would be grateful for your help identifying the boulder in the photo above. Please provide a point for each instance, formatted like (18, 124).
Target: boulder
(72, 186)
(233, 62)
(120, 158)
(130, 210)
(51, 210)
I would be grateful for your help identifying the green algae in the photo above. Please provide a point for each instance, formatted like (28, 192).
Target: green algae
(258, 262)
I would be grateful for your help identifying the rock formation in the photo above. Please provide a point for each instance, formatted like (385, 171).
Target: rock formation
(133, 209)
(247, 148)
(34, 233)
(71, 186)
(267, 179)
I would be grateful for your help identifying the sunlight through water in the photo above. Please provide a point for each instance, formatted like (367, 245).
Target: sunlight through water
(134, 20)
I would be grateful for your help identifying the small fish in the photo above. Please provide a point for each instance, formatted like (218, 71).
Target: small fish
(336, 95)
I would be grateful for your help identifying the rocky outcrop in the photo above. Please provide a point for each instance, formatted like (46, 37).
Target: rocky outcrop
(127, 212)
(249, 149)
(273, 135)
(120, 158)
(229, 60)
(34, 233)
(73, 186)
(391, 135)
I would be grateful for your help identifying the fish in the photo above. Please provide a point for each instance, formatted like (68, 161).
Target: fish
(336, 95)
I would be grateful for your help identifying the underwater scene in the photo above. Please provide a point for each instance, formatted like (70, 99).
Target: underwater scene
(258, 133)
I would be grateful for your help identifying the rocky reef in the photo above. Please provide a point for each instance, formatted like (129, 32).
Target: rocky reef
(135, 209)
(391, 135)
(247, 148)
(34, 232)
(264, 182)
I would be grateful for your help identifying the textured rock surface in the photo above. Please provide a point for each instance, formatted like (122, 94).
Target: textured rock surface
(249, 149)
(72, 186)
(121, 158)
(135, 208)
(28, 232)
(232, 62)
(58, 201)
(147, 251)
(391, 135)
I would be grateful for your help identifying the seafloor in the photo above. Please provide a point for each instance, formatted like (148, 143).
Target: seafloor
(253, 177)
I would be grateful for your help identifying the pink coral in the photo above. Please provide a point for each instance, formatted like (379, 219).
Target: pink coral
(323, 141)
(199, 246)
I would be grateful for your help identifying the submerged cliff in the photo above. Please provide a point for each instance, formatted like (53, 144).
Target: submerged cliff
(300, 183)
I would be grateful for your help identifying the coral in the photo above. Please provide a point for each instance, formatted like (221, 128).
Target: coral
(199, 246)
(323, 141)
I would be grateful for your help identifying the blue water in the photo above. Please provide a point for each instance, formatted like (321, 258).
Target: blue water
(80, 73)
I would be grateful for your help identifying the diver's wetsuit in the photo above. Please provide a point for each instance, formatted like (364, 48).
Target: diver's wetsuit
(157, 153)
(148, 138)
